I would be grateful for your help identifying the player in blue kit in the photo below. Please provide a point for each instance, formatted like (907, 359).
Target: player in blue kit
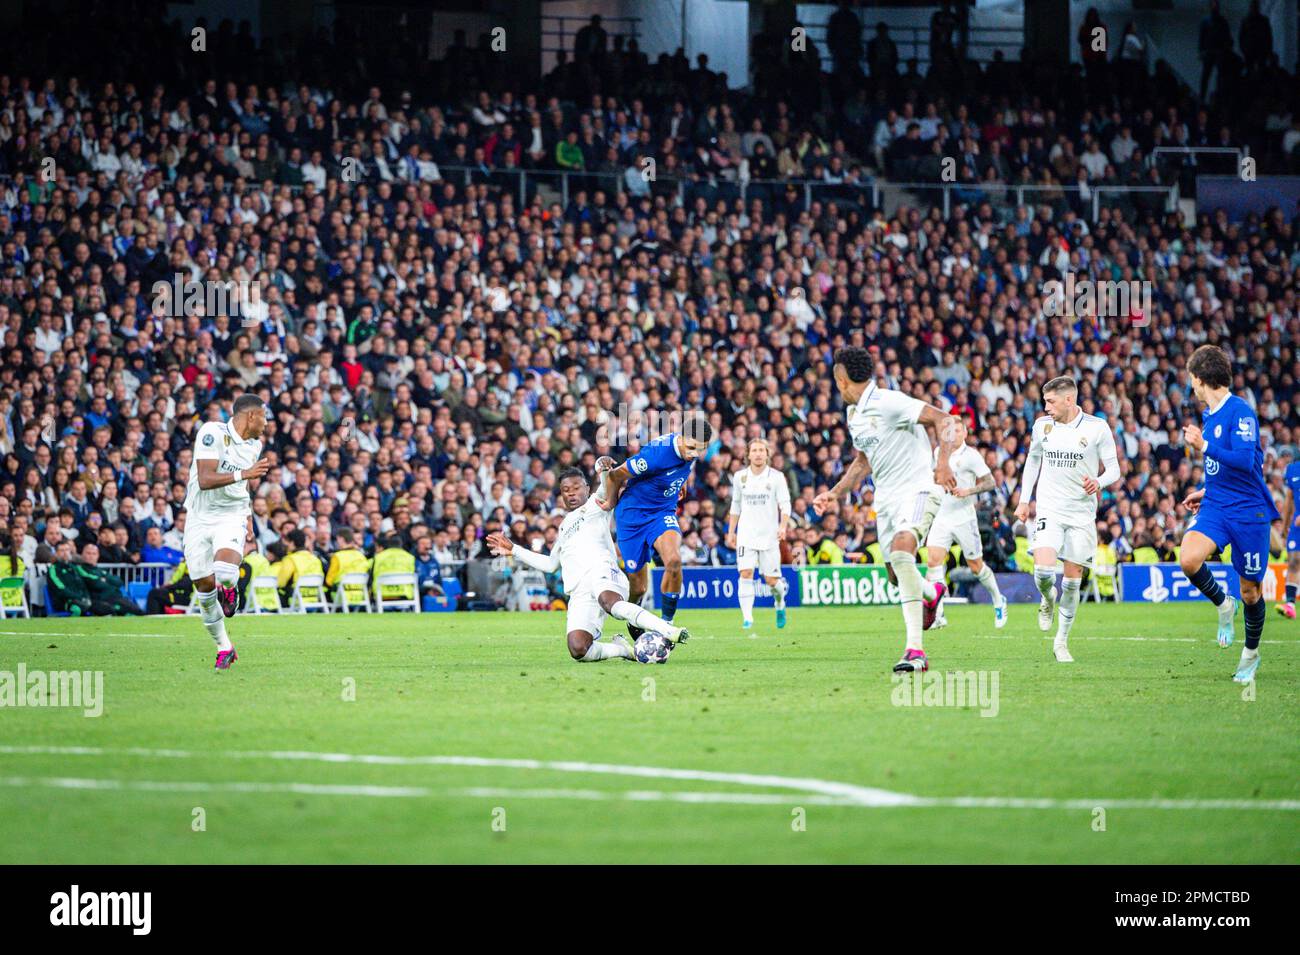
(649, 485)
(1233, 507)
(1291, 524)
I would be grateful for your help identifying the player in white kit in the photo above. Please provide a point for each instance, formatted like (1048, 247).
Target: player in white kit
(760, 511)
(1071, 458)
(593, 581)
(957, 522)
(888, 429)
(227, 455)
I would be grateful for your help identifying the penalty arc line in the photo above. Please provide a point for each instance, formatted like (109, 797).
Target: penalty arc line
(813, 791)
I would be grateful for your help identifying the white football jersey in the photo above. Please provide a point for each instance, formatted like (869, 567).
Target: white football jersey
(585, 544)
(217, 441)
(1067, 453)
(883, 425)
(968, 468)
(759, 500)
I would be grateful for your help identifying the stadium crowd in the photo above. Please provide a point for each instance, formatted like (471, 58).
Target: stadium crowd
(436, 344)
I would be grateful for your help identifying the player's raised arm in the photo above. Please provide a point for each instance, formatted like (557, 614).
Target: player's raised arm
(502, 546)
(857, 471)
(1033, 464)
(606, 494)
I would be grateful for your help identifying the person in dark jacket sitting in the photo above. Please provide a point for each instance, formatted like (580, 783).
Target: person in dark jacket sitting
(84, 590)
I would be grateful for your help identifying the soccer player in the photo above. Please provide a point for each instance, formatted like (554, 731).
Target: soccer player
(1233, 507)
(1071, 458)
(648, 486)
(760, 511)
(585, 555)
(889, 432)
(218, 513)
(956, 520)
(1291, 523)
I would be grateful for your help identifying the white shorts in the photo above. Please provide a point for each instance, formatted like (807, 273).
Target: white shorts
(767, 561)
(965, 532)
(585, 612)
(912, 512)
(1076, 543)
(203, 540)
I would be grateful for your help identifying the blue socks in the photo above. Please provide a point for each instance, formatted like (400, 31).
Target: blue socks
(1254, 614)
(1206, 584)
(668, 604)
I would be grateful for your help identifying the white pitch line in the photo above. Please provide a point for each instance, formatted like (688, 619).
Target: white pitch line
(814, 791)
(71, 633)
(637, 795)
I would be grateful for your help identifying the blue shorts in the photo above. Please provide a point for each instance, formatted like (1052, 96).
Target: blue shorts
(637, 534)
(1249, 541)
(1293, 541)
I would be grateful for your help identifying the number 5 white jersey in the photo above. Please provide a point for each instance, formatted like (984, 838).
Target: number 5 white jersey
(759, 500)
(1060, 457)
(217, 441)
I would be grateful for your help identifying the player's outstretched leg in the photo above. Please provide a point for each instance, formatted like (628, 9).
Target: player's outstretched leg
(585, 648)
(1287, 607)
(935, 574)
(1254, 612)
(669, 549)
(227, 575)
(918, 596)
(640, 618)
(214, 620)
(1045, 578)
(638, 584)
(778, 599)
(1069, 606)
(989, 581)
(745, 592)
(1194, 551)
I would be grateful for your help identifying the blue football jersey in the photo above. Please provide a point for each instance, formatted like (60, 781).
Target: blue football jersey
(1292, 479)
(656, 475)
(1234, 463)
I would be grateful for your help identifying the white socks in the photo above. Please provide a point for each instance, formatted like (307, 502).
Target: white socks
(604, 651)
(640, 617)
(227, 574)
(778, 593)
(1045, 578)
(213, 618)
(745, 590)
(911, 590)
(1069, 604)
(989, 581)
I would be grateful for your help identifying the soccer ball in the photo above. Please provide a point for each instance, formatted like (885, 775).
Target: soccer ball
(652, 648)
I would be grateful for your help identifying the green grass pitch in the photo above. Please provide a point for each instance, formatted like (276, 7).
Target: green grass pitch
(474, 738)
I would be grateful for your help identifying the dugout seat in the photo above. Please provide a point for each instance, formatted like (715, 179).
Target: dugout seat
(13, 597)
(263, 595)
(407, 600)
(309, 594)
(347, 587)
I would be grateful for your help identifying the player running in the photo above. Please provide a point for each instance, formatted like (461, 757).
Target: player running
(760, 511)
(1233, 507)
(957, 522)
(1291, 523)
(1071, 458)
(889, 432)
(217, 513)
(648, 486)
(585, 555)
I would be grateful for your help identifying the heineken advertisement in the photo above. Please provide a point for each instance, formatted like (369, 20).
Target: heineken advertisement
(846, 585)
(824, 586)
